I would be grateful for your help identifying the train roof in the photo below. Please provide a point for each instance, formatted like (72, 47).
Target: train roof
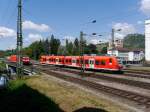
(78, 57)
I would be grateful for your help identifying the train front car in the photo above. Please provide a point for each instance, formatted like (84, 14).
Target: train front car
(117, 66)
(106, 63)
(26, 60)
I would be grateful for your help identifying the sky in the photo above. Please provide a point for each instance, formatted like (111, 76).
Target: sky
(66, 18)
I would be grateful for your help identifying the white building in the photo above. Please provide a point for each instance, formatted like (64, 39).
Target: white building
(121, 53)
(136, 55)
(147, 40)
(126, 54)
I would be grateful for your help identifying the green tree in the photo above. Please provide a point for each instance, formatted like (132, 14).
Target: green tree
(104, 50)
(134, 41)
(69, 47)
(76, 47)
(91, 49)
(46, 45)
(54, 45)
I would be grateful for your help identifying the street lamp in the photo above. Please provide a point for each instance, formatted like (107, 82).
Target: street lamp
(96, 34)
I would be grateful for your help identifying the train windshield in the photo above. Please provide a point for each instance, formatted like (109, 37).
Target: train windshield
(25, 58)
(119, 61)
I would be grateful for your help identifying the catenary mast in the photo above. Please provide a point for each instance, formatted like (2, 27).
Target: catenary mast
(19, 40)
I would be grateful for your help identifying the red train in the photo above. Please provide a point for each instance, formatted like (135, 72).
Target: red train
(107, 63)
(25, 59)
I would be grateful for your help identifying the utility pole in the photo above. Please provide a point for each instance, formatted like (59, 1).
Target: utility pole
(113, 38)
(19, 40)
(82, 51)
(49, 47)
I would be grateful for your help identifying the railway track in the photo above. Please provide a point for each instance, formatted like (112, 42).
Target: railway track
(137, 75)
(141, 74)
(137, 71)
(139, 99)
(134, 83)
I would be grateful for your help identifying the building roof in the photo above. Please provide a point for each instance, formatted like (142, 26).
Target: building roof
(127, 50)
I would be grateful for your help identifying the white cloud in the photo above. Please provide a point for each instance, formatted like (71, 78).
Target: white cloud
(98, 41)
(29, 25)
(13, 46)
(33, 37)
(94, 41)
(125, 29)
(140, 22)
(70, 38)
(145, 6)
(6, 32)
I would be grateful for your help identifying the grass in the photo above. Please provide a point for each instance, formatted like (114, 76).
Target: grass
(46, 94)
(2, 64)
(2, 67)
(71, 98)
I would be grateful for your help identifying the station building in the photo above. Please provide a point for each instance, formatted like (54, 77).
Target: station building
(127, 55)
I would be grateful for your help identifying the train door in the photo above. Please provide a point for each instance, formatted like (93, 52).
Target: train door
(57, 60)
(91, 63)
(73, 62)
(47, 60)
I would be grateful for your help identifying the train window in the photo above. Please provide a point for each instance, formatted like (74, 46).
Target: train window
(81, 61)
(70, 61)
(97, 62)
(86, 62)
(92, 62)
(103, 62)
(73, 61)
(66, 61)
(59, 60)
(44, 59)
(89, 61)
(110, 60)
